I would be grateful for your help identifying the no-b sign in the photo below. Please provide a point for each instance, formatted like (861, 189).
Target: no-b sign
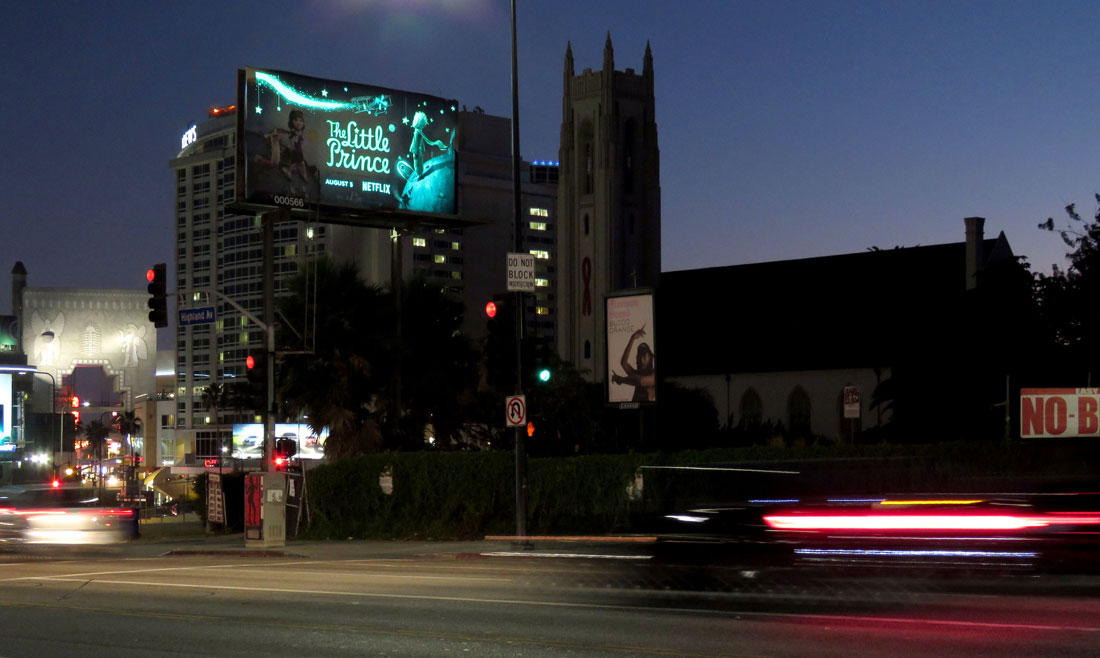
(521, 272)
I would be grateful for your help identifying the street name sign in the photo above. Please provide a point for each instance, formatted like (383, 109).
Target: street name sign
(189, 316)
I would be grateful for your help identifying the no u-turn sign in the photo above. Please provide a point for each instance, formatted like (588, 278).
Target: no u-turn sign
(515, 411)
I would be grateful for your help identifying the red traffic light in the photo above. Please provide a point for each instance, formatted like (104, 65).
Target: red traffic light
(150, 274)
(250, 362)
(491, 309)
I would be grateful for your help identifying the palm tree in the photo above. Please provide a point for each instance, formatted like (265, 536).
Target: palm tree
(96, 434)
(128, 424)
(338, 385)
(439, 365)
(215, 397)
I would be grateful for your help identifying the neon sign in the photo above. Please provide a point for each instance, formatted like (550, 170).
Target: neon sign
(189, 137)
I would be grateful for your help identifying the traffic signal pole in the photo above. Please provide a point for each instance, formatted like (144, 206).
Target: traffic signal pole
(521, 455)
(267, 324)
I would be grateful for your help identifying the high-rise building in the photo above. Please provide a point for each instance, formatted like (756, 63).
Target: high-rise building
(609, 200)
(218, 250)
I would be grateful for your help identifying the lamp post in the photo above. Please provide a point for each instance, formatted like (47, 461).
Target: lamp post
(33, 370)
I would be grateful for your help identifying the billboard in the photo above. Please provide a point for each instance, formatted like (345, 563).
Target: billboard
(248, 440)
(1059, 412)
(7, 435)
(337, 147)
(631, 353)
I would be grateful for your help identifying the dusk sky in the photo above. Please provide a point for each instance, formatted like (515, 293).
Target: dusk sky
(787, 129)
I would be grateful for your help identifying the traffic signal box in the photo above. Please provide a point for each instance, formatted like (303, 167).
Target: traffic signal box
(158, 291)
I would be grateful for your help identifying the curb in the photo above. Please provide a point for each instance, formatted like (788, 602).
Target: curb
(594, 538)
(232, 553)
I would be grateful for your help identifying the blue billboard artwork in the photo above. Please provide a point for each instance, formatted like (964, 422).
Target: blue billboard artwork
(332, 146)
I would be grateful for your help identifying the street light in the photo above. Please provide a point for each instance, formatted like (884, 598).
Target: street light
(33, 370)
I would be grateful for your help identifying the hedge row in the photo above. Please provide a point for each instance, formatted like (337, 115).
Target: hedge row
(472, 494)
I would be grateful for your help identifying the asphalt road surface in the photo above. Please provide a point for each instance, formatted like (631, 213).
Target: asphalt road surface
(483, 599)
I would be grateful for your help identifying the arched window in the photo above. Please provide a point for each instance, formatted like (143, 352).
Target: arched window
(798, 412)
(629, 132)
(587, 156)
(751, 409)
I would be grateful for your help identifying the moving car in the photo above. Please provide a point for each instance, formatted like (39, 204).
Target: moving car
(986, 532)
(47, 514)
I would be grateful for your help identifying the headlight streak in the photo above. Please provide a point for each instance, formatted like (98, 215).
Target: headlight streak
(686, 518)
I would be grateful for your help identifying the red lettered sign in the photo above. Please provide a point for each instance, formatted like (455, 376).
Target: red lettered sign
(1059, 412)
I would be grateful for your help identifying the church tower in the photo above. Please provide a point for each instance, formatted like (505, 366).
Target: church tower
(609, 200)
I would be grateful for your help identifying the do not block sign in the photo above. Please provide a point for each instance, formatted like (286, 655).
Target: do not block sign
(521, 272)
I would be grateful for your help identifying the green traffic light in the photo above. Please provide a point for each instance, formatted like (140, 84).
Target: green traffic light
(544, 375)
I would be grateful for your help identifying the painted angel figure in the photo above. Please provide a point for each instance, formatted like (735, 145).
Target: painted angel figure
(134, 348)
(47, 338)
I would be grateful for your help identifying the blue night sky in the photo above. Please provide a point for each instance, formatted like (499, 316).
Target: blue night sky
(787, 129)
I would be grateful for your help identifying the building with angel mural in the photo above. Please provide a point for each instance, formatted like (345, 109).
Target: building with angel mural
(97, 345)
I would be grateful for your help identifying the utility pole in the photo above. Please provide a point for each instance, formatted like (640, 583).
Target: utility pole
(521, 455)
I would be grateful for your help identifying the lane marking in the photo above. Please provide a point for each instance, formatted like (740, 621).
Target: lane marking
(404, 633)
(344, 574)
(602, 606)
(126, 571)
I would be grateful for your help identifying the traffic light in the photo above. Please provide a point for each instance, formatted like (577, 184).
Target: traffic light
(257, 380)
(158, 290)
(542, 360)
(285, 449)
(500, 344)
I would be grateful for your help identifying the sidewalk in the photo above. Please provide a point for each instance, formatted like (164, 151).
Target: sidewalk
(175, 536)
(179, 537)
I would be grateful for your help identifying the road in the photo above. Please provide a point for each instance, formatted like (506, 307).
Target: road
(439, 599)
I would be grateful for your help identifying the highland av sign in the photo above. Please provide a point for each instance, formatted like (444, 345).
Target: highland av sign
(334, 147)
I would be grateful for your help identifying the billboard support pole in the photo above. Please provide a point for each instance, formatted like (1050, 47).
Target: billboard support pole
(521, 456)
(268, 226)
(397, 283)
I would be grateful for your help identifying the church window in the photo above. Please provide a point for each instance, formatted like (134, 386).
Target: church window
(588, 168)
(588, 349)
(751, 409)
(798, 412)
(587, 165)
(628, 156)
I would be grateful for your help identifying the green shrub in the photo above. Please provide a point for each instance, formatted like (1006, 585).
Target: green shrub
(463, 495)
